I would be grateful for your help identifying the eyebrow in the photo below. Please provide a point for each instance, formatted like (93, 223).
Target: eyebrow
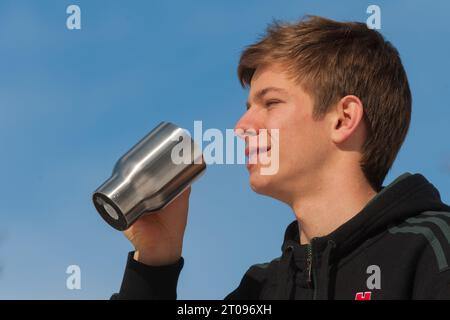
(261, 93)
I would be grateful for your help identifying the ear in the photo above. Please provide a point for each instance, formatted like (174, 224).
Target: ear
(346, 118)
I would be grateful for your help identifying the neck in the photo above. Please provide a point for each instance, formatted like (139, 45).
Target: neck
(335, 199)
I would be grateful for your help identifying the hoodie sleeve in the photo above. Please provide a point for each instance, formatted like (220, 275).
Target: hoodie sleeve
(143, 282)
(444, 288)
(432, 280)
(437, 287)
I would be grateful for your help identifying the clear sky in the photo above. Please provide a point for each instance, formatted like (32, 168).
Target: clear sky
(72, 102)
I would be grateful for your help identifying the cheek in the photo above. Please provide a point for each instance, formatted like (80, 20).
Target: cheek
(302, 144)
(302, 140)
(293, 127)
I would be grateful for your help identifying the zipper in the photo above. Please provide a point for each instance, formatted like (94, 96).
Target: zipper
(309, 257)
(312, 281)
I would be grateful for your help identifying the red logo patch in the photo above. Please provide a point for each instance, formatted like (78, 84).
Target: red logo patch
(363, 295)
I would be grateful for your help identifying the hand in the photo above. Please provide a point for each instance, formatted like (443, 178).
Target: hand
(158, 236)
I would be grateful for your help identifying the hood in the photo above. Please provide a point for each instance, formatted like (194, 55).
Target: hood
(407, 196)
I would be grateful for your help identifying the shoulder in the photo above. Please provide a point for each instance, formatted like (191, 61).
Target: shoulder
(261, 271)
(254, 281)
(429, 233)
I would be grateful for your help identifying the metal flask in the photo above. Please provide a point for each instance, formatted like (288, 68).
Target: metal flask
(148, 177)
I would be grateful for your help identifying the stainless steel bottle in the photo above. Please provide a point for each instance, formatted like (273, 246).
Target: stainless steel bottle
(149, 176)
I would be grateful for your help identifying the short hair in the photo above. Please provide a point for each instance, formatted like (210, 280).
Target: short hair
(332, 59)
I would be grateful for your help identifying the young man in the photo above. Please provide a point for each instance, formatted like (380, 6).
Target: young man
(340, 98)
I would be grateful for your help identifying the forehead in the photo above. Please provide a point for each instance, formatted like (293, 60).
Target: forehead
(271, 75)
(274, 79)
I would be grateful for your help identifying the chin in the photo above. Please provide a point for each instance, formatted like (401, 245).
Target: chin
(262, 184)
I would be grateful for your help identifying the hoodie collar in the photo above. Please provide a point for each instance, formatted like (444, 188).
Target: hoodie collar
(408, 195)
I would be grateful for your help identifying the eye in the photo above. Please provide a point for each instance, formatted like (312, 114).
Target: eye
(272, 102)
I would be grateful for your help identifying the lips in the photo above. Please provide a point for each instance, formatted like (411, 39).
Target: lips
(255, 146)
(252, 155)
(251, 152)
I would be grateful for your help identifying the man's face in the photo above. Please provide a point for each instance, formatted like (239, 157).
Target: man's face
(277, 102)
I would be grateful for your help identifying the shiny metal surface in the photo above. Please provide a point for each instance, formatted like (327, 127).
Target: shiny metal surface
(146, 178)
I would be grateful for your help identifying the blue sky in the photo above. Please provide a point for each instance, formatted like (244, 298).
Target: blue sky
(72, 102)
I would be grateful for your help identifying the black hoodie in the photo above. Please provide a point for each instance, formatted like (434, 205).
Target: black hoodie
(397, 247)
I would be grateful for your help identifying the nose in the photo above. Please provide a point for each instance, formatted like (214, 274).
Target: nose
(248, 124)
